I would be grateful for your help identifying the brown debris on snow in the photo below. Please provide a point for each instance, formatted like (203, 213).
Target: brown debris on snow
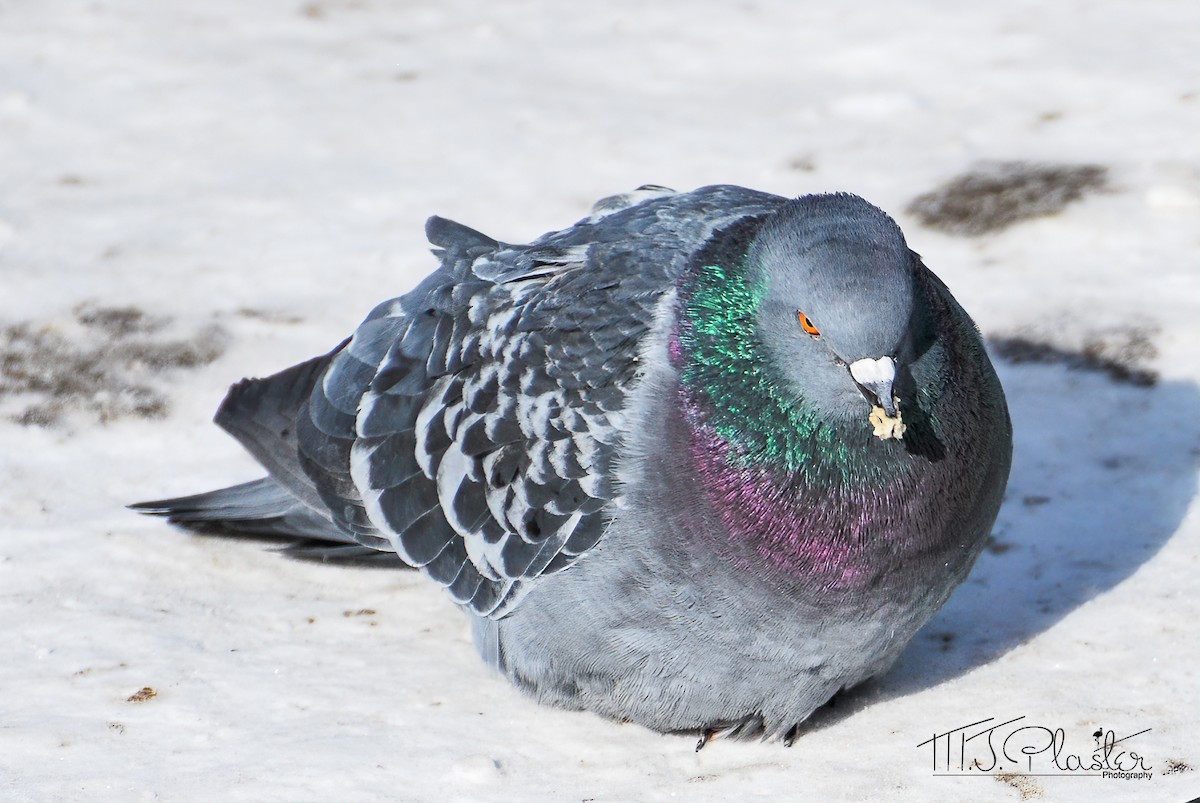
(994, 195)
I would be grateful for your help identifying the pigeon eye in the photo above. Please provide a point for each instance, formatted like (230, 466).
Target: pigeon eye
(807, 325)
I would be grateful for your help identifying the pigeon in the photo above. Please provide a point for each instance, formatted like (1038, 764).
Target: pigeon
(700, 461)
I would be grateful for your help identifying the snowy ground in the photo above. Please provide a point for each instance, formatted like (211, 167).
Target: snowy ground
(254, 177)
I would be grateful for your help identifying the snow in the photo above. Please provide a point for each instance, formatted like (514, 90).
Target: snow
(265, 168)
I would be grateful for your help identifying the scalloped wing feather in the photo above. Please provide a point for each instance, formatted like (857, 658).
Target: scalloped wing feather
(474, 424)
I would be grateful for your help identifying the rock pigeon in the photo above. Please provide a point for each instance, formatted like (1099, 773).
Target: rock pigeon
(699, 461)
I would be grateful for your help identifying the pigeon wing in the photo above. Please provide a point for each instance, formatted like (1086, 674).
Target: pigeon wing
(474, 424)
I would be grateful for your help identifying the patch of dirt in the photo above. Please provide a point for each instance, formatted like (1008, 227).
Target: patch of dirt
(1122, 354)
(118, 321)
(995, 195)
(997, 547)
(142, 695)
(99, 362)
(944, 640)
(268, 315)
(803, 164)
(1174, 766)
(1022, 783)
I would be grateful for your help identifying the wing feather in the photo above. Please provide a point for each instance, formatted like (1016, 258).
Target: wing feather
(475, 423)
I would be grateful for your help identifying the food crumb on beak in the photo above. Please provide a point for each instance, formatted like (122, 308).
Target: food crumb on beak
(886, 426)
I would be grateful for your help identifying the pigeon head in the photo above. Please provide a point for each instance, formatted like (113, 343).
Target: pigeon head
(803, 331)
(835, 279)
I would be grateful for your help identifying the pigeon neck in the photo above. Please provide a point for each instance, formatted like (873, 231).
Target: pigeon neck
(731, 388)
(822, 537)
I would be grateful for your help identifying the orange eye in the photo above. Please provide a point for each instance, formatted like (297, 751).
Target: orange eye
(807, 325)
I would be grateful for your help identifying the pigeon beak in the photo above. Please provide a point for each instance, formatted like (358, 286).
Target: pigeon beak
(874, 378)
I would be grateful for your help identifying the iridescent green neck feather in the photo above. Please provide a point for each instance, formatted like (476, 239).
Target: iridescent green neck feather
(726, 371)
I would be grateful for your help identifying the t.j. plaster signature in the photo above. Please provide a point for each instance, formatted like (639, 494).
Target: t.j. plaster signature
(988, 746)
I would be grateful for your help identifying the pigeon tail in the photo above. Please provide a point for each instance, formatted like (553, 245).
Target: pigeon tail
(264, 509)
(262, 413)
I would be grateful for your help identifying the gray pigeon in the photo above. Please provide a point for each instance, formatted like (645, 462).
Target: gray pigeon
(699, 461)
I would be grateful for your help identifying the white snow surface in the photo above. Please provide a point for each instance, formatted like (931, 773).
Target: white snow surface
(267, 167)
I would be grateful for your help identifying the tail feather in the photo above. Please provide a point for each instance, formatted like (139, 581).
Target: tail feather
(261, 507)
(264, 509)
(356, 554)
(262, 414)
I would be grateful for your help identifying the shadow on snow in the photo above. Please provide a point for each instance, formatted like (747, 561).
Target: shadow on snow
(1103, 474)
